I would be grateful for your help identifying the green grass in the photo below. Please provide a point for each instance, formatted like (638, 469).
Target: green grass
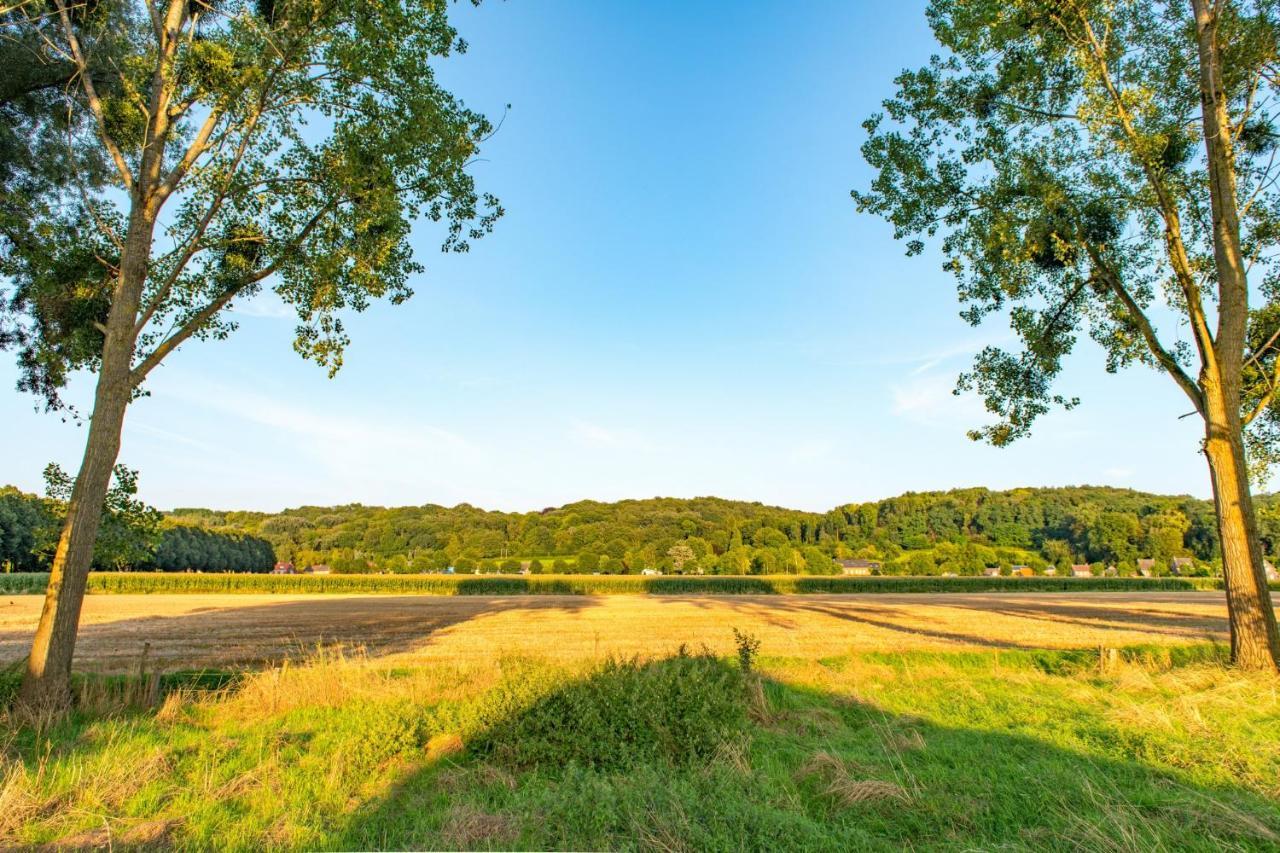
(148, 582)
(1018, 750)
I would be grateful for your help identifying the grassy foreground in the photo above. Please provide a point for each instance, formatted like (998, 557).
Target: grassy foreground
(1158, 749)
(152, 582)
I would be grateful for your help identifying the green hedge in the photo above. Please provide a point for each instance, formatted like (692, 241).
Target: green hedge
(147, 582)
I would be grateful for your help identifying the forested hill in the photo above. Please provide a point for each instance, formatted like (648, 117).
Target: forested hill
(959, 530)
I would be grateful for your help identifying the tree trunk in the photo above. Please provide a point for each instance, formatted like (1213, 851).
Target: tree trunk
(1255, 643)
(47, 683)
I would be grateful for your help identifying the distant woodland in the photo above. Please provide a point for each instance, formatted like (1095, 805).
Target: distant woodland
(960, 531)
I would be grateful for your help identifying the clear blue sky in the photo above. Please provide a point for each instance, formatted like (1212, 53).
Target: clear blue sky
(681, 300)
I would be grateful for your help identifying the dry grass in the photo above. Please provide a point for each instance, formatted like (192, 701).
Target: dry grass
(144, 835)
(462, 778)
(468, 828)
(444, 745)
(103, 786)
(332, 677)
(838, 782)
(735, 756)
(192, 631)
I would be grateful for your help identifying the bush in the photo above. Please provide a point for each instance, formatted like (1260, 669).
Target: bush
(676, 712)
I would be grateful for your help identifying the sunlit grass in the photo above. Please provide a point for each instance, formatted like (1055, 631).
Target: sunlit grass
(966, 750)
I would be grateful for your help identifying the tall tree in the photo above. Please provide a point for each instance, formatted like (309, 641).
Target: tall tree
(1108, 167)
(287, 144)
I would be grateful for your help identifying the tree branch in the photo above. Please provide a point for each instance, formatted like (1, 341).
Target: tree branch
(91, 94)
(1168, 209)
(204, 315)
(1139, 318)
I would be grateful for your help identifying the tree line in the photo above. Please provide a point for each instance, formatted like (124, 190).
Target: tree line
(959, 531)
(141, 541)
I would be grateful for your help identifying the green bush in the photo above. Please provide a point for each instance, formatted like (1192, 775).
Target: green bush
(676, 712)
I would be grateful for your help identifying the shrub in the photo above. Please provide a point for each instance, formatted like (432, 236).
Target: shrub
(748, 647)
(676, 711)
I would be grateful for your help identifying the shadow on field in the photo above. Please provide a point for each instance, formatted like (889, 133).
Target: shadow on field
(1184, 625)
(901, 615)
(687, 754)
(265, 633)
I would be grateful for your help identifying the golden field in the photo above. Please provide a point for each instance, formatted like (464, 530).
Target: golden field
(194, 630)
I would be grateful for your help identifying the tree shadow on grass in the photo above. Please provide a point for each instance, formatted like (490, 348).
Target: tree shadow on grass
(594, 765)
(263, 634)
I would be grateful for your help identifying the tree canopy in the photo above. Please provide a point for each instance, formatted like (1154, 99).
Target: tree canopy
(290, 144)
(1056, 150)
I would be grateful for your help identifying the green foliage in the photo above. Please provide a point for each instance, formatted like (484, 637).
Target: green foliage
(184, 547)
(1063, 755)
(1058, 154)
(635, 535)
(959, 531)
(24, 519)
(297, 141)
(130, 529)
(675, 712)
(748, 647)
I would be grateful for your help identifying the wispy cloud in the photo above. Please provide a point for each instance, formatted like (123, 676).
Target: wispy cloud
(169, 435)
(930, 400)
(370, 446)
(595, 435)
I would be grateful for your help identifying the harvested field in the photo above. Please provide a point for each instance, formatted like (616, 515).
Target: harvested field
(186, 631)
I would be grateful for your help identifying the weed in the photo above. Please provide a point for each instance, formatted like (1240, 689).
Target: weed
(748, 647)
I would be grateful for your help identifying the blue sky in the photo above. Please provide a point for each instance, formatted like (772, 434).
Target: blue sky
(681, 300)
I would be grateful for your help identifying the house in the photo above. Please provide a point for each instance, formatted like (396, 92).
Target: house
(1110, 572)
(1272, 575)
(1051, 571)
(1179, 565)
(319, 569)
(1081, 570)
(991, 571)
(1021, 571)
(650, 572)
(283, 568)
(1146, 568)
(860, 568)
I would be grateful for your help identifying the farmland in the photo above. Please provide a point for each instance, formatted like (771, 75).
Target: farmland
(200, 630)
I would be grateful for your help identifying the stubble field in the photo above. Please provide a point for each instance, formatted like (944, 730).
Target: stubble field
(196, 631)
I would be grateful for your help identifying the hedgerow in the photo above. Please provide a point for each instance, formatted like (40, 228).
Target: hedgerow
(149, 582)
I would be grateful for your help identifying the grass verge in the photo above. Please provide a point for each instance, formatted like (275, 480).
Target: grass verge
(1027, 750)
